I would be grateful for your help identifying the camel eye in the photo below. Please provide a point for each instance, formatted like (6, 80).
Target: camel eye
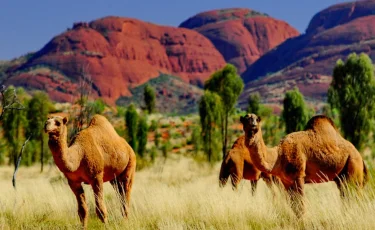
(57, 123)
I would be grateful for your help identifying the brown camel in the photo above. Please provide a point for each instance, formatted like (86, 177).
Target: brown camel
(97, 154)
(238, 165)
(316, 155)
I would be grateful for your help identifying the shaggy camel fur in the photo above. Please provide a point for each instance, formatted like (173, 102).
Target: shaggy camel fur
(97, 154)
(316, 155)
(238, 165)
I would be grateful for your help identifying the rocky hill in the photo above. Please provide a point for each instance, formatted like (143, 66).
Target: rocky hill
(307, 61)
(240, 35)
(117, 54)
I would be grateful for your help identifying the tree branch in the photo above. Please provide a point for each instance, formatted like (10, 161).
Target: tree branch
(9, 102)
(19, 161)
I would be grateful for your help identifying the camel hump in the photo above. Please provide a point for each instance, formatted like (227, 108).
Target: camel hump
(319, 122)
(98, 120)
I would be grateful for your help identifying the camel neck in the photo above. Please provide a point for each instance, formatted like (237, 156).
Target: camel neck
(65, 158)
(264, 158)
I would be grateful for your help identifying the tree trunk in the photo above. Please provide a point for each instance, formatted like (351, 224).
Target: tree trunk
(41, 154)
(225, 137)
(14, 156)
(210, 146)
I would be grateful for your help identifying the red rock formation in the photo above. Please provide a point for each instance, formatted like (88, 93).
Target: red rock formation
(340, 14)
(241, 35)
(118, 54)
(307, 61)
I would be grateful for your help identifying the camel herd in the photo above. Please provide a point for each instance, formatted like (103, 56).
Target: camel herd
(318, 154)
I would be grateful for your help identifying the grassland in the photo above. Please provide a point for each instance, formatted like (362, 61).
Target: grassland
(176, 194)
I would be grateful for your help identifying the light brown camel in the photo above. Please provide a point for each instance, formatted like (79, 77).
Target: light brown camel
(237, 165)
(316, 155)
(97, 154)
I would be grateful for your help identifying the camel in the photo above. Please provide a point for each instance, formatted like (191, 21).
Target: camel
(97, 154)
(316, 155)
(238, 165)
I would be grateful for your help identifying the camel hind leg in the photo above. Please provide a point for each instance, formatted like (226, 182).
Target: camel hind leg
(352, 176)
(123, 185)
(295, 186)
(296, 195)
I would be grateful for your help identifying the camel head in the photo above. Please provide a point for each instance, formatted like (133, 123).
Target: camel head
(251, 124)
(55, 126)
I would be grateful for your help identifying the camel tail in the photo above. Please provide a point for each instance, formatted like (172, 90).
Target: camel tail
(365, 174)
(224, 172)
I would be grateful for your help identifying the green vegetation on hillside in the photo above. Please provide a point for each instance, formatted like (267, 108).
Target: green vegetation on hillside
(184, 132)
(149, 97)
(173, 95)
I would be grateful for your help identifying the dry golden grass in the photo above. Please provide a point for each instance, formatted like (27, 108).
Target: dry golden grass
(181, 194)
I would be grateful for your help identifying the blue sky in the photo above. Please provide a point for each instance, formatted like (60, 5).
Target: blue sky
(27, 25)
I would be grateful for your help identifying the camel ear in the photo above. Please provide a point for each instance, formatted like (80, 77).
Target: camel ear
(259, 119)
(242, 119)
(65, 120)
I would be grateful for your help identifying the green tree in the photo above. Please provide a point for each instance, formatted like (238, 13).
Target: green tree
(153, 127)
(332, 113)
(295, 114)
(131, 120)
(14, 122)
(9, 100)
(37, 110)
(142, 136)
(352, 92)
(157, 138)
(196, 139)
(265, 111)
(165, 148)
(149, 97)
(210, 117)
(253, 103)
(153, 153)
(81, 118)
(94, 107)
(272, 129)
(228, 85)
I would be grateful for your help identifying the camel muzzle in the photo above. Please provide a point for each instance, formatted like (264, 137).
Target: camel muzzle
(46, 127)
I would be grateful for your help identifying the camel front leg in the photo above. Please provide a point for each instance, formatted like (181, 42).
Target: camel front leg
(97, 186)
(81, 201)
(235, 179)
(270, 181)
(254, 184)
